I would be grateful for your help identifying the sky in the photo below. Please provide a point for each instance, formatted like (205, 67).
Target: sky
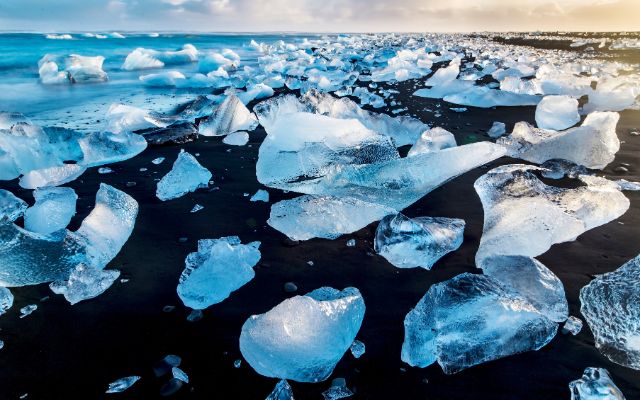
(320, 15)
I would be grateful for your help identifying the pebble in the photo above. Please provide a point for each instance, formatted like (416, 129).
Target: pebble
(290, 287)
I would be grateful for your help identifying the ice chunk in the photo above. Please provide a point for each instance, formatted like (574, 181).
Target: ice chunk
(306, 217)
(593, 144)
(432, 140)
(595, 384)
(142, 58)
(483, 97)
(123, 118)
(30, 258)
(255, 92)
(197, 208)
(260, 195)
(417, 242)
(27, 310)
(163, 79)
(497, 129)
(523, 216)
(52, 211)
(178, 133)
(471, 319)
(231, 116)
(282, 391)
(84, 69)
(532, 280)
(219, 267)
(6, 300)
(157, 161)
(573, 325)
(52, 176)
(122, 384)
(180, 374)
(357, 348)
(239, 138)
(337, 392)
(557, 112)
(611, 306)
(304, 337)
(11, 207)
(614, 94)
(85, 283)
(186, 175)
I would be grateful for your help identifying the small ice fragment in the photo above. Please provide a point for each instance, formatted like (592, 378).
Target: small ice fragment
(595, 384)
(179, 374)
(497, 129)
(357, 348)
(338, 390)
(459, 109)
(236, 138)
(171, 387)
(165, 365)
(158, 160)
(351, 242)
(557, 113)
(433, 139)
(282, 391)
(26, 310)
(195, 316)
(573, 325)
(1, 344)
(104, 170)
(237, 363)
(6, 300)
(122, 384)
(197, 208)
(143, 169)
(245, 194)
(260, 195)
(85, 283)
(187, 175)
(310, 263)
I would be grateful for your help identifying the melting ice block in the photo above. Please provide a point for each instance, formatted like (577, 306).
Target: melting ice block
(187, 175)
(557, 113)
(230, 116)
(85, 283)
(239, 138)
(417, 242)
(593, 144)
(523, 216)
(595, 384)
(304, 337)
(30, 258)
(306, 217)
(11, 207)
(611, 306)
(469, 320)
(52, 211)
(219, 267)
(432, 140)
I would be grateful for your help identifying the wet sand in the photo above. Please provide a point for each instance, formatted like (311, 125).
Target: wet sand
(73, 352)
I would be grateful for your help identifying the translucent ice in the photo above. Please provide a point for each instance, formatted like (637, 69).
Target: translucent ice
(557, 112)
(432, 140)
(163, 79)
(260, 195)
(85, 283)
(611, 306)
(239, 138)
(186, 175)
(472, 319)
(357, 348)
(497, 129)
(306, 217)
(28, 310)
(523, 216)
(219, 267)
(573, 325)
(417, 242)
(595, 384)
(6, 300)
(593, 144)
(123, 118)
(231, 116)
(11, 207)
(282, 391)
(255, 92)
(122, 384)
(304, 337)
(142, 58)
(52, 211)
(52, 176)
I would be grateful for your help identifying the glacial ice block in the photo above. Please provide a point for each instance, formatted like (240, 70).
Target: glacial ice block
(593, 144)
(557, 113)
(142, 58)
(432, 140)
(85, 283)
(595, 384)
(304, 337)
(523, 216)
(307, 217)
(611, 306)
(471, 319)
(219, 267)
(122, 118)
(230, 116)
(11, 207)
(417, 242)
(30, 258)
(186, 175)
(52, 211)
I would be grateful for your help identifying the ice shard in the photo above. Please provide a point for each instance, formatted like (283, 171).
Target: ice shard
(304, 337)
(230, 116)
(611, 306)
(595, 384)
(471, 319)
(85, 283)
(219, 267)
(52, 211)
(282, 391)
(417, 242)
(186, 175)
(122, 384)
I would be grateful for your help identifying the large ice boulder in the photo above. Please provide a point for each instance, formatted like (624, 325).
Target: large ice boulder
(611, 306)
(304, 337)
(557, 113)
(469, 320)
(219, 267)
(186, 175)
(417, 242)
